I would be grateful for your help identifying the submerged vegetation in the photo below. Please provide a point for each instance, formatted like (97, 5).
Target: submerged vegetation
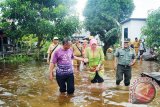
(16, 58)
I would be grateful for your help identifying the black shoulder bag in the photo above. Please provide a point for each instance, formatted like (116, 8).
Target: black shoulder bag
(79, 49)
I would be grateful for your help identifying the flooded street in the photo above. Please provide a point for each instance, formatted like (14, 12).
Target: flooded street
(28, 85)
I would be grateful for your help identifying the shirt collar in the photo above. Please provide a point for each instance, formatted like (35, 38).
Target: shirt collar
(126, 49)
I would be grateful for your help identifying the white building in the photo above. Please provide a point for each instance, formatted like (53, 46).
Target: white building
(131, 28)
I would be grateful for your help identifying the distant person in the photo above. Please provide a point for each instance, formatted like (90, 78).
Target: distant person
(73, 41)
(110, 50)
(124, 60)
(84, 47)
(136, 46)
(77, 51)
(132, 46)
(52, 48)
(142, 49)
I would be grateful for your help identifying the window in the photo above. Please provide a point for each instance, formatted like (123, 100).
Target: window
(125, 32)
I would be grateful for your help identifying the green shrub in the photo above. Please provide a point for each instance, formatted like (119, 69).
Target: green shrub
(18, 58)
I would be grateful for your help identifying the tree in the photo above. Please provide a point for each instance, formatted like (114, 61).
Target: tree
(41, 18)
(152, 28)
(103, 18)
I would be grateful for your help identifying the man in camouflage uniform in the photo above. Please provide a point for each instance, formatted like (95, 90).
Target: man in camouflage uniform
(124, 59)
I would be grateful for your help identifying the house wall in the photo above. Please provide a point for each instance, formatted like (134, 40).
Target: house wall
(134, 29)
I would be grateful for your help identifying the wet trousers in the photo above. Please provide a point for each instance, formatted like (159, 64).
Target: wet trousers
(66, 83)
(123, 70)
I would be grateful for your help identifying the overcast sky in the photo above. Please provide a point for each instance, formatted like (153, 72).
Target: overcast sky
(141, 7)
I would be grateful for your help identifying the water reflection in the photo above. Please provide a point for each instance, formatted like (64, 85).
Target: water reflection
(27, 85)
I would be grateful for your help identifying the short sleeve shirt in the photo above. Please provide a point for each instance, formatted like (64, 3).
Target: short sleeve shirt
(63, 59)
(51, 47)
(125, 56)
(77, 49)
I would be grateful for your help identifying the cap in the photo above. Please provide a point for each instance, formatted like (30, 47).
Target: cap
(126, 40)
(55, 38)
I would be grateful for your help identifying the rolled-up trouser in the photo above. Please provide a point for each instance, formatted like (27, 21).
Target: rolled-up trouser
(123, 70)
(66, 80)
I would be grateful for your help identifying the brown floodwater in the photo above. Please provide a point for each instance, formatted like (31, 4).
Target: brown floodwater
(28, 85)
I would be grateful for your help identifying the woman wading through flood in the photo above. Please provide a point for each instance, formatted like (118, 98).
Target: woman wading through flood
(95, 57)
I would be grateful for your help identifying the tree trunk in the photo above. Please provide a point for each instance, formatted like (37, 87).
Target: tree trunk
(2, 47)
(38, 48)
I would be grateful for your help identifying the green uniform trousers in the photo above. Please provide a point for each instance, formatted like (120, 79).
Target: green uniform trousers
(123, 70)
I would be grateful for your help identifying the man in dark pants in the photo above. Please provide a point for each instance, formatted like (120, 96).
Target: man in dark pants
(124, 59)
(64, 71)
